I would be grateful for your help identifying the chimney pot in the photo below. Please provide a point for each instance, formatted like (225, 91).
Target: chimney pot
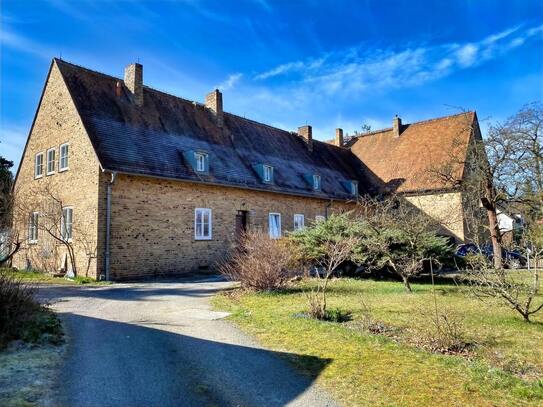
(339, 138)
(306, 132)
(133, 79)
(118, 89)
(214, 103)
(397, 126)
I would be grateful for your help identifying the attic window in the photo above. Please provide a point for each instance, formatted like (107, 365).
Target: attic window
(265, 172)
(201, 161)
(316, 182)
(354, 188)
(268, 173)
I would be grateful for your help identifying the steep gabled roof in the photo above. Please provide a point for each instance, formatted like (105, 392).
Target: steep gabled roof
(411, 162)
(150, 140)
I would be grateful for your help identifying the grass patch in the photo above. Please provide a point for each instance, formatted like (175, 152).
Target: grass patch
(39, 277)
(29, 337)
(387, 367)
(26, 378)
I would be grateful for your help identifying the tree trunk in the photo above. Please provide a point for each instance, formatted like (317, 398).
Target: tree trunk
(406, 283)
(489, 203)
(495, 238)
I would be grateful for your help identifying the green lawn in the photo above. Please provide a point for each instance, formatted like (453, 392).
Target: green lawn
(505, 367)
(45, 278)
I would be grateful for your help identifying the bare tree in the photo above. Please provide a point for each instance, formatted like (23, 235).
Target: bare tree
(48, 215)
(337, 252)
(487, 283)
(502, 169)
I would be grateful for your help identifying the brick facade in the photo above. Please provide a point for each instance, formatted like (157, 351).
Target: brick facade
(152, 223)
(57, 122)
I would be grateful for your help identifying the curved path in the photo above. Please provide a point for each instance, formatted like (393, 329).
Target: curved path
(159, 344)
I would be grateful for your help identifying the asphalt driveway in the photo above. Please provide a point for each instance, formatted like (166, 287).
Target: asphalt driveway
(160, 344)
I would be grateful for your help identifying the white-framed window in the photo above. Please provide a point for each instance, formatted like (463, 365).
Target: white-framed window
(51, 156)
(354, 188)
(63, 161)
(268, 173)
(298, 221)
(316, 182)
(33, 227)
(319, 218)
(202, 224)
(38, 166)
(201, 159)
(274, 225)
(66, 223)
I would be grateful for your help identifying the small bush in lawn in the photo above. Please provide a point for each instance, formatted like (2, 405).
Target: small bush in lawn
(259, 263)
(22, 317)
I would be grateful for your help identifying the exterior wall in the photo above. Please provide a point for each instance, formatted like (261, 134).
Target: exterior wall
(445, 208)
(152, 223)
(58, 122)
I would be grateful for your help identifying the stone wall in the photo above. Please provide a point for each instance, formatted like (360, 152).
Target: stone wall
(152, 223)
(57, 122)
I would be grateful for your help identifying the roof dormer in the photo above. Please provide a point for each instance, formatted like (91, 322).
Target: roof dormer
(351, 186)
(314, 180)
(198, 160)
(265, 172)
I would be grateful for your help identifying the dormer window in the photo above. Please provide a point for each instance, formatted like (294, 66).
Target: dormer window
(198, 160)
(268, 173)
(351, 187)
(354, 188)
(201, 161)
(265, 172)
(316, 182)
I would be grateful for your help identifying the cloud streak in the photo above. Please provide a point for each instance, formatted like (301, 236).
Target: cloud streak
(230, 82)
(357, 69)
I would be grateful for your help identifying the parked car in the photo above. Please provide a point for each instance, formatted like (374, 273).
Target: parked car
(512, 258)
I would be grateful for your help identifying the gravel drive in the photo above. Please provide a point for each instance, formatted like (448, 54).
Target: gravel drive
(159, 344)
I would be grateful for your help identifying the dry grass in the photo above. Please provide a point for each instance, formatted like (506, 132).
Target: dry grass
(390, 366)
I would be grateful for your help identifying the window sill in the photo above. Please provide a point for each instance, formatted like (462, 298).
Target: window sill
(50, 173)
(33, 242)
(38, 176)
(63, 169)
(205, 239)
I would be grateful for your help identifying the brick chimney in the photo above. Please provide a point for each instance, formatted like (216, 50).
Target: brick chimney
(396, 126)
(133, 79)
(307, 133)
(214, 103)
(339, 138)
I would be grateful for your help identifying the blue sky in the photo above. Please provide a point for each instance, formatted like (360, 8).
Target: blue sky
(286, 63)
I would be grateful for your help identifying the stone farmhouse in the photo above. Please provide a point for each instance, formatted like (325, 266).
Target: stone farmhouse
(149, 183)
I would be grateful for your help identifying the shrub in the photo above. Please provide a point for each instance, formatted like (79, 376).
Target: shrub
(259, 263)
(22, 317)
(326, 245)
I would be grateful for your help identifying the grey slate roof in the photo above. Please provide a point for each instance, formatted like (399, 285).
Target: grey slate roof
(150, 140)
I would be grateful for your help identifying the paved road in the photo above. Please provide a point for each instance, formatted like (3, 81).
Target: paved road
(159, 344)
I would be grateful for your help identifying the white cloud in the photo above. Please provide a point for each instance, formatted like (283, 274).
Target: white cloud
(17, 42)
(358, 69)
(12, 142)
(467, 55)
(230, 82)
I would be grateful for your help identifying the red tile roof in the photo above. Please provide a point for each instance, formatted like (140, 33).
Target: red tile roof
(408, 163)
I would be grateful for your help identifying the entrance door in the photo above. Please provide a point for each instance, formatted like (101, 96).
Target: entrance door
(241, 224)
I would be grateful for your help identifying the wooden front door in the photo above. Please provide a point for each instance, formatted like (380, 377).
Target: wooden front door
(241, 224)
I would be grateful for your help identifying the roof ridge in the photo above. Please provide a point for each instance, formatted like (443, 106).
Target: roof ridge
(413, 123)
(175, 96)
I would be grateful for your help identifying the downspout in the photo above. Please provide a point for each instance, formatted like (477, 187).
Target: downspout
(108, 225)
(328, 205)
